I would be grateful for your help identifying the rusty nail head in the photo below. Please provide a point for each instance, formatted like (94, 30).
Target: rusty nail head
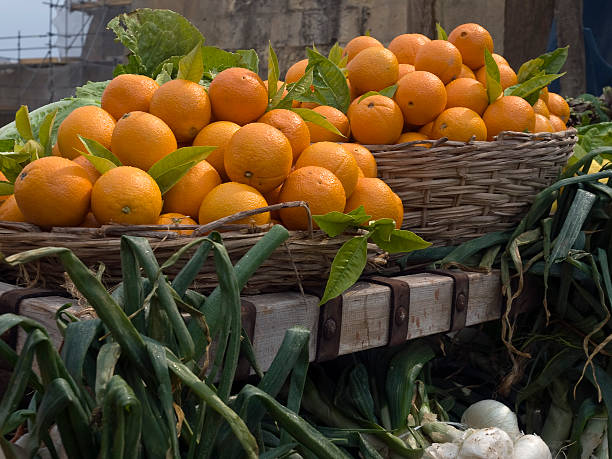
(400, 315)
(329, 328)
(461, 302)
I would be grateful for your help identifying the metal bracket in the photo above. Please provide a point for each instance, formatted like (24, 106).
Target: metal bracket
(248, 315)
(11, 300)
(460, 299)
(399, 307)
(330, 326)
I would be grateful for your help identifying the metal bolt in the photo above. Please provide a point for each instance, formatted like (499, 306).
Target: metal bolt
(461, 302)
(329, 328)
(400, 315)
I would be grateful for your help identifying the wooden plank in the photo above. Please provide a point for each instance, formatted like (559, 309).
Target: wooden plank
(365, 314)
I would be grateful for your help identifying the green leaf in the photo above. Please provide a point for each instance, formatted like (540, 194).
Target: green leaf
(22, 121)
(402, 241)
(216, 60)
(368, 94)
(329, 81)
(530, 89)
(6, 188)
(153, 36)
(441, 33)
(92, 90)
(381, 229)
(175, 165)
(296, 91)
(191, 66)
(7, 145)
(346, 268)
(45, 131)
(102, 165)
(548, 63)
(273, 72)
(95, 148)
(494, 88)
(248, 59)
(316, 118)
(359, 215)
(529, 69)
(33, 149)
(334, 223)
(335, 54)
(389, 91)
(165, 74)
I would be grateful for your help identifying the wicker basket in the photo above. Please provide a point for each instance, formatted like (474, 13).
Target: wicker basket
(303, 261)
(453, 191)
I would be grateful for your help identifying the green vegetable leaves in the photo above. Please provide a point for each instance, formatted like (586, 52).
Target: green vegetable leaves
(494, 88)
(191, 66)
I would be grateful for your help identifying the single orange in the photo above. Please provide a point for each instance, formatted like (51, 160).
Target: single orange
(471, 40)
(404, 69)
(542, 124)
(335, 117)
(9, 210)
(128, 93)
(558, 106)
(544, 95)
(421, 96)
(466, 72)
(92, 172)
(126, 195)
(557, 123)
(296, 71)
(186, 195)
(173, 219)
(229, 199)
(378, 200)
(358, 44)
(405, 46)
(238, 95)
(90, 221)
(426, 129)
(509, 113)
(499, 59)
(55, 151)
(507, 76)
(318, 187)
(364, 157)
(334, 158)
(258, 155)
(460, 124)
(184, 106)
(541, 108)
(372, 69)
(376, 120)
(273, 197)
(217, 134)
(90, 122)
(141, 139)
(441, 58)
(53, 191)
(413, 136)
(292, 125)
(467, 92)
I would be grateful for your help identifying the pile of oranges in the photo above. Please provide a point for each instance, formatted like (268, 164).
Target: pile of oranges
(263, 156)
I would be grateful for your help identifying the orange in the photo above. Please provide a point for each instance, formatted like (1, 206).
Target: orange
(507, 76)
(441, 58)
(542, 124)
(55, 150)
(186, 196)
(3, 179)
(184, 106)
(53, 191)
(335, 117)
(466, 72)
(258, 155)
(557, 123)
(467, 92)
(128, 93)
(541, 108)
(460, 124)
(405, 46)
(141, 139)
(292, 125)
(471, 40)
(412, 136)
(376, 120)
(558, 106)
(92, 172)
(217, 134)
(378, 200)
(335, 159)
(238, 95)
(365, 159)
(296, 71)
(509, 113)
(9, 211)
(544, 95)
(229, 199)
(317, 186)
(173, 218)
(273, 197)
(358, 44)
(126, 195)
(372, 69)
(421, 96)
(90, 221)
(426, 130)
(90, 122)
(360, 174)
(404, 69)
(499, 59)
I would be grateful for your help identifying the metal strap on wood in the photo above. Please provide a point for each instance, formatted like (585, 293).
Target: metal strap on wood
(399, 307)
(330, 326)
(460, 298)
(248, 315)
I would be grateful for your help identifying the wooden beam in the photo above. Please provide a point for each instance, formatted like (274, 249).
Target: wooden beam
(568, 15)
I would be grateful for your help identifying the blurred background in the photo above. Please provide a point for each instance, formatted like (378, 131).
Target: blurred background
(47, 48)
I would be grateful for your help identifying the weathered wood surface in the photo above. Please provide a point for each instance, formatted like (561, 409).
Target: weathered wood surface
(365, 317)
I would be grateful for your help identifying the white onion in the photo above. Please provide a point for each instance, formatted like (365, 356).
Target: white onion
(441, 451)
(491, 443)
(491, 413)
(531, 447)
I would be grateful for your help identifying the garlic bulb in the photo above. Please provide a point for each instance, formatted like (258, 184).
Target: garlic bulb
(491, 413)
(491, 443)
(441, 451)
(531, 447)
